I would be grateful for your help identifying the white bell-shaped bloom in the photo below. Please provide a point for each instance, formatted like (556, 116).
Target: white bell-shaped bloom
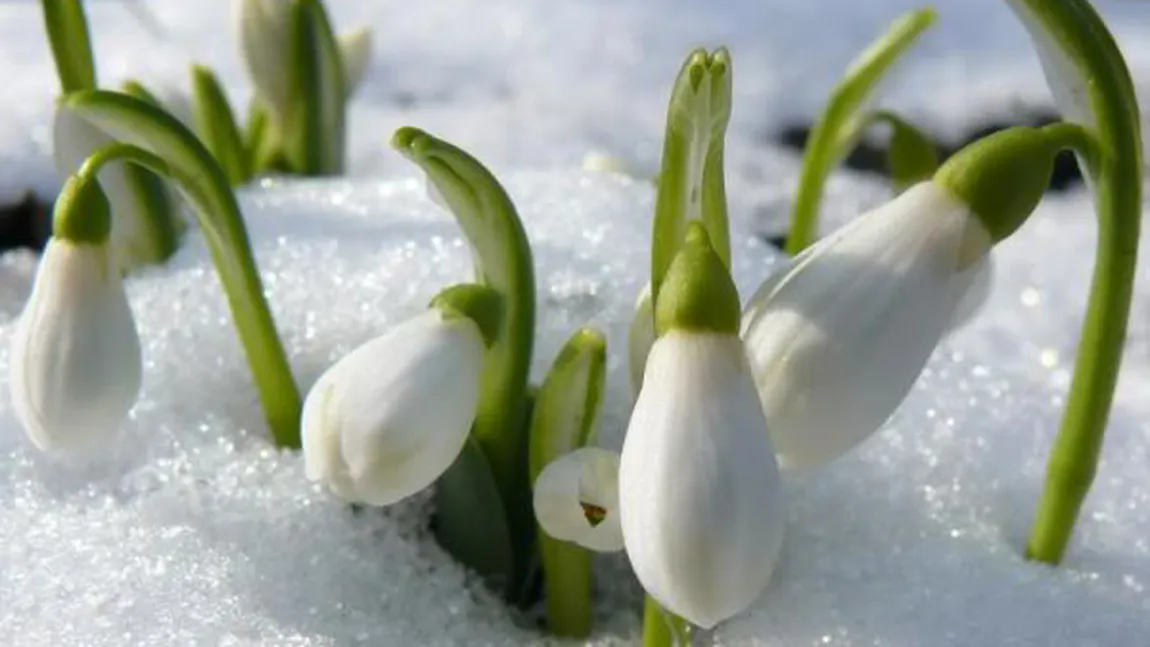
(839, 338)
(640, 336)
(389, 418)
(576, 499)
(699, 491)
(355, 54)
(264, 31)
(75, 357)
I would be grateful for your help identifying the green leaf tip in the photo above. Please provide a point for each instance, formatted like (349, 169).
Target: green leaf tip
(698, 292)
(478, 303)
(68, 34)
(911, 156)
(82, 213)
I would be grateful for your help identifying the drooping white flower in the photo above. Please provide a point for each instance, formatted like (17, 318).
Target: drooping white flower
(838, 339)
(576, 499)
(75, 354)
(386, 420)
(699, 491)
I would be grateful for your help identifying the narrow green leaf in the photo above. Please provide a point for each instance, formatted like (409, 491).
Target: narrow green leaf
(690, 183)
(134, 88)
(911, 156)
(470, 521)
(503, 256)
(67, 29)
(563, 420)
(216, 125)
(837, 130)
(203, 183)
(159, 218)
(314, 124)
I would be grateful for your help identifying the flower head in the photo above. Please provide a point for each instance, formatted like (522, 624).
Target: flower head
(576, 499)
(699, 491)
(75, 354)
(386, 420)
(837, 339)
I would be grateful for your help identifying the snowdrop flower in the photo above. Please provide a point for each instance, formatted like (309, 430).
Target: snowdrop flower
(386, 420)
(576, 499)
(699, 491)
(264, 32)
(75, 355)
(838, 338)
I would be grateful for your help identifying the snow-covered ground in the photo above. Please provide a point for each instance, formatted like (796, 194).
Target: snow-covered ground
(194, 532)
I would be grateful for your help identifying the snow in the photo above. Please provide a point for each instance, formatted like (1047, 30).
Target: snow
(528, 84)
(194, 531)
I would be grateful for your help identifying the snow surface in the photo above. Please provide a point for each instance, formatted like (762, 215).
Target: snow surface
(194, 531)
(523, 83)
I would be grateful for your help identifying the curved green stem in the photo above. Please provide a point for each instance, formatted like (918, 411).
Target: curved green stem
(67, 29)
(169, 148)
(1084, 49)
(839, 127)
(503, 256)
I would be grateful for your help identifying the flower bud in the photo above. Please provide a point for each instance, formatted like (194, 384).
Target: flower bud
(389, 418)
(839, 337)
(75, 355)
(699, 492)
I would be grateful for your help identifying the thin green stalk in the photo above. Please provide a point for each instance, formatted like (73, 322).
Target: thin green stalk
(1083, 47)
(67, 29)
(313, 128)
(489, 220)
(839, 127)
(203, 183)
(661, 628)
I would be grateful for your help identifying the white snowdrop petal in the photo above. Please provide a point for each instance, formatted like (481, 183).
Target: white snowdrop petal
(840, 340)
(355, 52)
(75, 358)
(390, 417)
(262, 29)
(587, 476)
(1071, 90)
(699, 491)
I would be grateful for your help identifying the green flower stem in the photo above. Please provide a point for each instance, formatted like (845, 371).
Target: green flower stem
(489, 221)
(1115, 169)
(661, 628)
(563, 420)
(314, 123)
(67, 29)
(203, 183)
(839, 127)
(691, 175)
(217, 127)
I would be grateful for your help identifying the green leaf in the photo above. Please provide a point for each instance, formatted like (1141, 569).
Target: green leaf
(216, 124)
(489, 221)
(314, 124)
(67, 29)
(203, 183)
(837, 130)
(138, 90)
(911, 156)
(563, 420)
(470, 521)
(690, 183)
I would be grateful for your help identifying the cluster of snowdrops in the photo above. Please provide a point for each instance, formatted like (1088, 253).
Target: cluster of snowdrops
(728, 391)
